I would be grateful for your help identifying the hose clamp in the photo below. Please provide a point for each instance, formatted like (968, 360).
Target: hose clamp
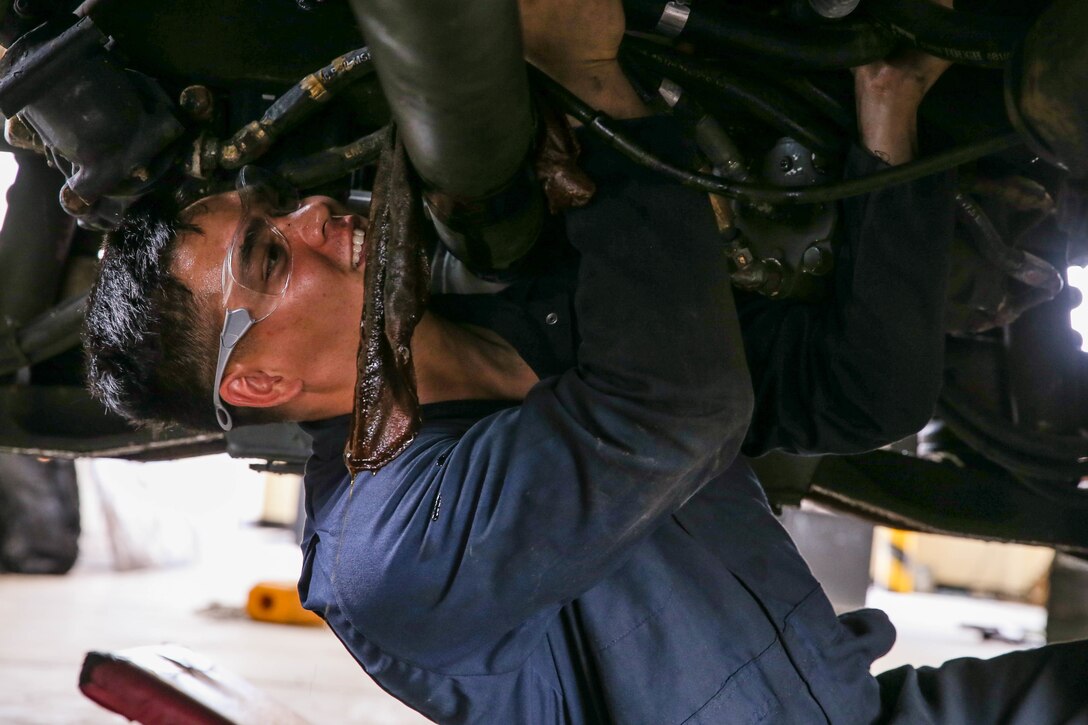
(673, 18)
(670, 92)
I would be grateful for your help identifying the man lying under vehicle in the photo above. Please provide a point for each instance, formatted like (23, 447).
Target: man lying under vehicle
(571, 537)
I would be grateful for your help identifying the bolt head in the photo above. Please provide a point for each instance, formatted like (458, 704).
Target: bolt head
(817, 260)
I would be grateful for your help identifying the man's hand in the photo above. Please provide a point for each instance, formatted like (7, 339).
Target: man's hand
(888, 93)
(576, 43)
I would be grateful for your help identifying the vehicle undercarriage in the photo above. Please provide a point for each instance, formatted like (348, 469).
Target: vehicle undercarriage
(106, 100)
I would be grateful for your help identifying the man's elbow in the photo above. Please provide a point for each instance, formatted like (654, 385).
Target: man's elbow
(733, 417)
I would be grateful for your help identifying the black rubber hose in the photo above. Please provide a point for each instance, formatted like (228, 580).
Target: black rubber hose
(46, 335)
(713, 140)
(599, 124)
(1006, 457)
(1027, 453)
(330, 164)
(805, 89)
(782, 111)
(967, 38)
(294, 106)
(728, 29)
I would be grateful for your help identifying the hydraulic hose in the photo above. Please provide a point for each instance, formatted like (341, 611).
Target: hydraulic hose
(330, 164)
(294, 106)
(806, 89)
(456, 84)
(956, 35)
(726, 28)
(600, 124)
(773, 107)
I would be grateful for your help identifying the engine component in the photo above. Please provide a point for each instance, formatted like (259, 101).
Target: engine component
(324, 166)
(228, 44)
(41, 338)
(34, 243)
(789, 244)
(117, 146)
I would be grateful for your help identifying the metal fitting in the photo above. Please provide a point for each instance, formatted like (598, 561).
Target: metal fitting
(198, 102)
(834, 8)
(246, 145)
(204, 158)
(673, 18)
(18, 133)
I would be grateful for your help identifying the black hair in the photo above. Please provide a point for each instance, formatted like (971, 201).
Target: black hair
(149, 341)
(151, 344)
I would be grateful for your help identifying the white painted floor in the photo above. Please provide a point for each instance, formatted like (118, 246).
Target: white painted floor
(194, 513)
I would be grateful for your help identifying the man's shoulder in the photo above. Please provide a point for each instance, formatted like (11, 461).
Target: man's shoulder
(384, 508)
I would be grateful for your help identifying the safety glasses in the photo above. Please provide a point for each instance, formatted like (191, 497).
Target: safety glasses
(256, 267)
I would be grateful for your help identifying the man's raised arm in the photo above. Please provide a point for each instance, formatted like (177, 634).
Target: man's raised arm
(539, 502)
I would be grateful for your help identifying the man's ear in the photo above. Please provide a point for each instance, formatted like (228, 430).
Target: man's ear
(258, 389)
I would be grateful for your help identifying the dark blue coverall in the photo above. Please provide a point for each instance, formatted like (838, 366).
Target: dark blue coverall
(597, 553)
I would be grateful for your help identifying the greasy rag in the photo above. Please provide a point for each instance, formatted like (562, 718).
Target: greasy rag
(385, 418)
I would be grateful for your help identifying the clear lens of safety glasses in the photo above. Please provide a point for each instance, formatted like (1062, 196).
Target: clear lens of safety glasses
(256, 269)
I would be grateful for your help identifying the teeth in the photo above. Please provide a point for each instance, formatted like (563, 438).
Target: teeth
(358, 239)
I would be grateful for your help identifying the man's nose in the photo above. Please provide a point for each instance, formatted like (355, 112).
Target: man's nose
(307, 223)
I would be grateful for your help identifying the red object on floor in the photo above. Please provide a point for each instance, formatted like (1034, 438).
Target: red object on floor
(170, 685)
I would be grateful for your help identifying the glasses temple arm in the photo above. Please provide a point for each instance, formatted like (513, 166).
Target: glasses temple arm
(235, 324)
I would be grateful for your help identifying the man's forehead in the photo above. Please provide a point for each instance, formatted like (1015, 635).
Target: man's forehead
(199, 253)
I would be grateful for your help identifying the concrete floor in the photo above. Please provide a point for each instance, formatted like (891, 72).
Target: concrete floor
(51, 622)
(192, 513)
(198, 521)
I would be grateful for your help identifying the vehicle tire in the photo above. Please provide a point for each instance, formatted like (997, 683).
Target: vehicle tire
(39, 515)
